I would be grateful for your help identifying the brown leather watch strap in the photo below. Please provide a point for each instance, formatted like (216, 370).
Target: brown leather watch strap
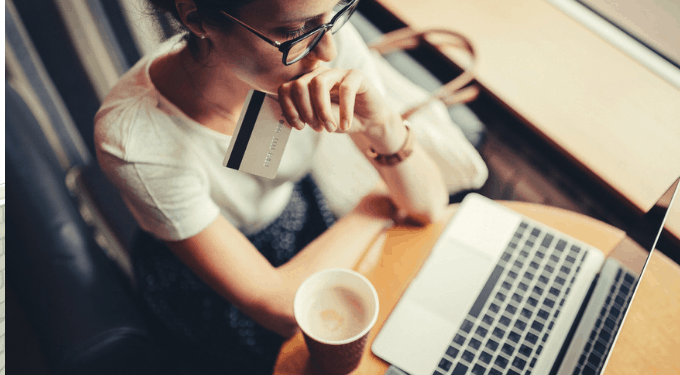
(396, 158)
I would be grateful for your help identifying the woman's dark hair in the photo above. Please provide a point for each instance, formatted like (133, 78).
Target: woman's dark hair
(207, 11)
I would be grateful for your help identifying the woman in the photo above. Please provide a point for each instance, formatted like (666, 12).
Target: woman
(223, 252)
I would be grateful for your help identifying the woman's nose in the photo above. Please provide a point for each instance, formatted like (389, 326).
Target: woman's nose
(325, 50)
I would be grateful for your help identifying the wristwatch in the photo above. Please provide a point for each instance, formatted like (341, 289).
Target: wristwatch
(397, 157)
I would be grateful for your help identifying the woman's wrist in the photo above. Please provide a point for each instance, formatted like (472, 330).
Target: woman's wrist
(387, 137)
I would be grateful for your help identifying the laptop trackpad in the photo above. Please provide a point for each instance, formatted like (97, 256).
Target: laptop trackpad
(450, 282)
(433, 307)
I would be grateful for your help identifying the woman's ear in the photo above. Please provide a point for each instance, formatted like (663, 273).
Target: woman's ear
(190, 17)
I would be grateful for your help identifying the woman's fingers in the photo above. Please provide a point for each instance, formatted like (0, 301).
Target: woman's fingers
(309, 99)
(320, 96)
(347, 92)
(288, 107)
(342, 85)
(301, 99)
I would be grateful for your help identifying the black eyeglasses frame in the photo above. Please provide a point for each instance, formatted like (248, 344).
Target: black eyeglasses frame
(285, 47)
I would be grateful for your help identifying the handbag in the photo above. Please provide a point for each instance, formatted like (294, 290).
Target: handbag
(457, 91)
(340, 168)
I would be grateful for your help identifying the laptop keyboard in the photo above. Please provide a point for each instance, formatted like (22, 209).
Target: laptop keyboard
(510, 321)
(602, 336)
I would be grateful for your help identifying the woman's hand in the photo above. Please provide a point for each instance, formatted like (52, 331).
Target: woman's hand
(335, 100)
(345, 101)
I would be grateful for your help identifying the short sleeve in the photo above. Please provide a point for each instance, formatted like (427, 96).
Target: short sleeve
(157, 175)
(168, 201)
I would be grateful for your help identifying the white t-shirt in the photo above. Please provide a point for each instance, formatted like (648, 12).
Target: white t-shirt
(168, 168)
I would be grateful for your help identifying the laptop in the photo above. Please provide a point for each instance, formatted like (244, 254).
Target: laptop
(503, 294)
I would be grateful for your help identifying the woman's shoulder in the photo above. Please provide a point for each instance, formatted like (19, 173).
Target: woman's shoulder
(129, 107)
(131, 114)
(133, 130)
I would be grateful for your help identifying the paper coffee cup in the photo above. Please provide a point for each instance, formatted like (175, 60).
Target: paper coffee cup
(336, 309)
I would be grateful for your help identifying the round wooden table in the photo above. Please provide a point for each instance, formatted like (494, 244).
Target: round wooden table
(395, 258)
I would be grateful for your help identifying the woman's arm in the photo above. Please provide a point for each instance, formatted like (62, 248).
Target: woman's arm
(337, 100)
(415, 184)
(224, 258)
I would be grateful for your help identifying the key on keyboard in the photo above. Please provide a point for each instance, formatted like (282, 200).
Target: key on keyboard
(602, 336)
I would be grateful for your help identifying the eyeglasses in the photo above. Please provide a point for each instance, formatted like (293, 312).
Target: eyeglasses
(295, 49)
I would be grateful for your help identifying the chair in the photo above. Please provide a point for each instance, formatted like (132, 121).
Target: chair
(79, 301)
(80, 304)
(65, 104)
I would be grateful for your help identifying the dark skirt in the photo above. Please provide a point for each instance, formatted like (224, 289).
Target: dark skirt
(210, 335)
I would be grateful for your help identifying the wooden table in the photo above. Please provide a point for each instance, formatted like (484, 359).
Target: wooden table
(645, 343)
(612, 116)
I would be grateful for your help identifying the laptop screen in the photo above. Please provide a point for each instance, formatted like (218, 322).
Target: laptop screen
(636, 255)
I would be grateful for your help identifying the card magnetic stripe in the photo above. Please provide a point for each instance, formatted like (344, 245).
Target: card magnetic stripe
(246, 130)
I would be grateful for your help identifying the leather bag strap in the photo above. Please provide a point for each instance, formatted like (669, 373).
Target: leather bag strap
(459, 90)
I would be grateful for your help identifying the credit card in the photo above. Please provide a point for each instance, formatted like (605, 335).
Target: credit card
(260, 138)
